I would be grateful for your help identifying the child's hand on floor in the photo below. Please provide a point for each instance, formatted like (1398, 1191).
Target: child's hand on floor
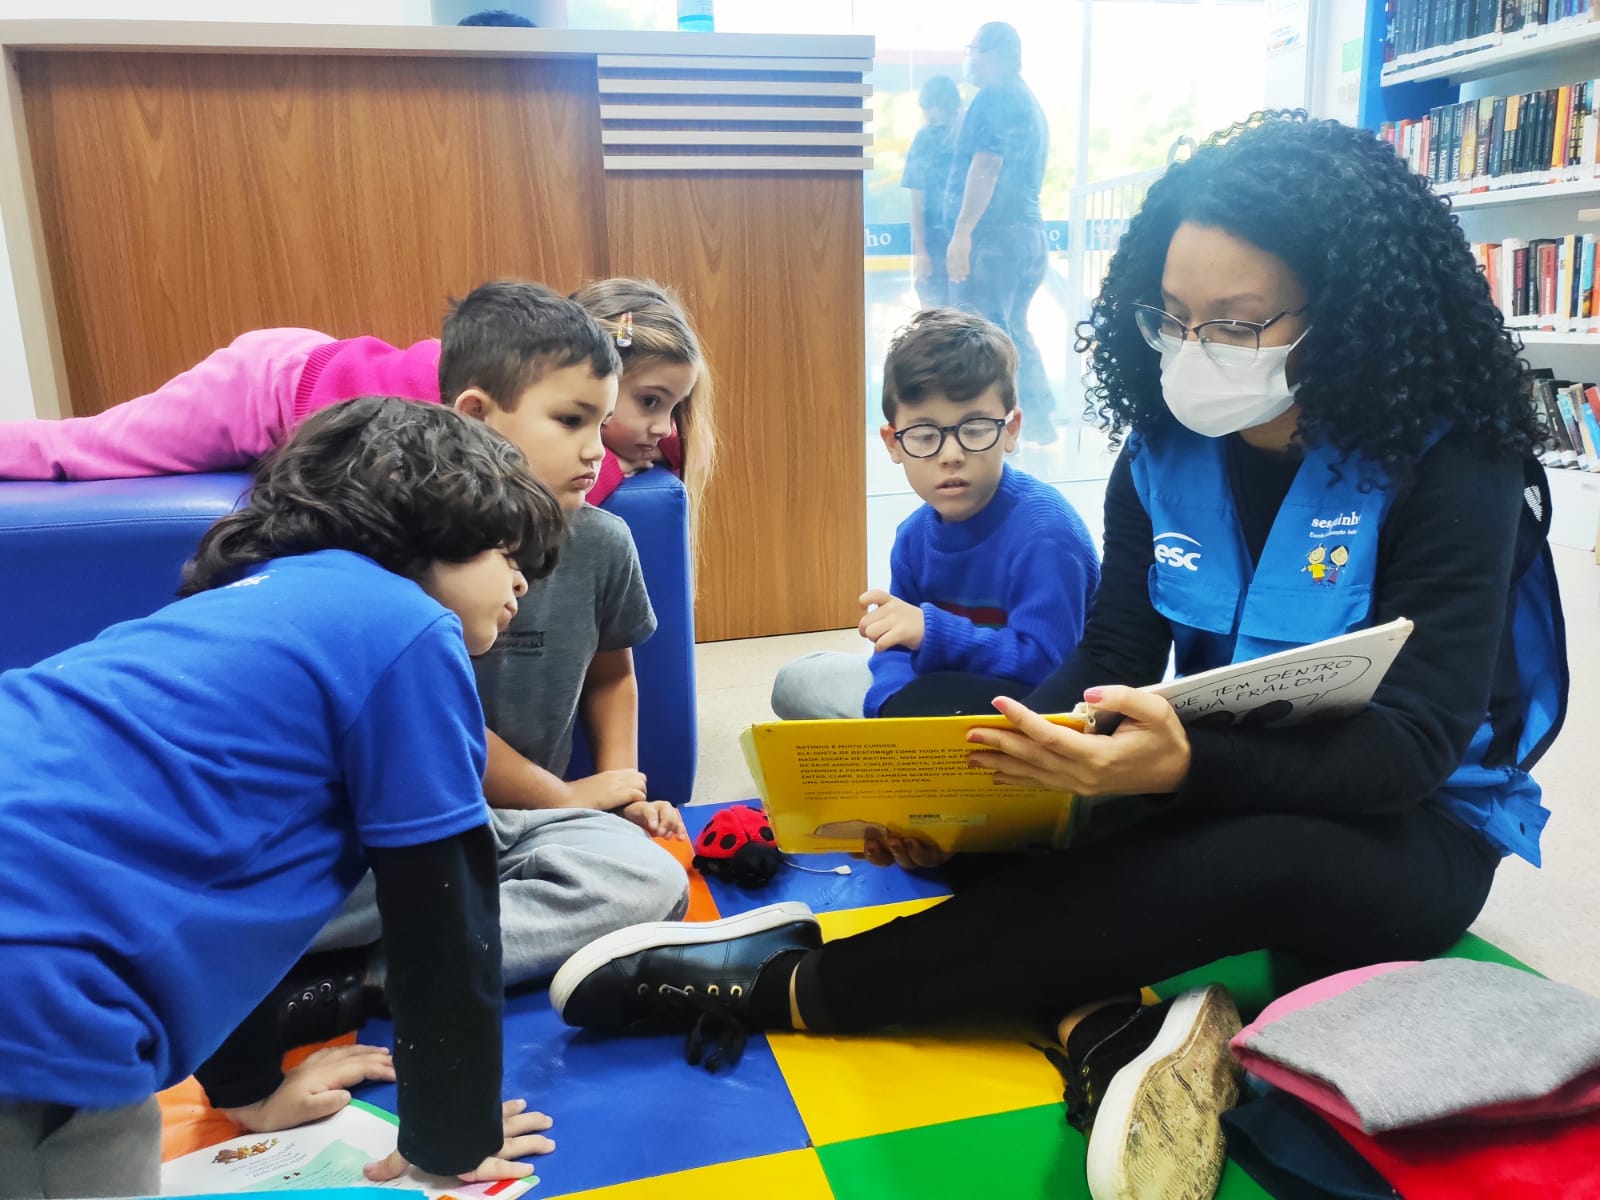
(889, 621)
(524, 1136)
(608, 791)
(884, 849)
(658, 818)
(316, 1088)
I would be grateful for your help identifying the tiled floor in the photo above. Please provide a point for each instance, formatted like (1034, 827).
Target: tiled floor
(895, 1116)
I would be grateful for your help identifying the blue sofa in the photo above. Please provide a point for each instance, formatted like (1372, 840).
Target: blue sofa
(78, 557)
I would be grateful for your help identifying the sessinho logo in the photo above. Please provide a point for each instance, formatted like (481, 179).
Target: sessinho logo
(1180, 557)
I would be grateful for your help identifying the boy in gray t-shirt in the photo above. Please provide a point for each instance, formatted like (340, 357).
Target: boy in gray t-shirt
(571, 874)
(594, 603)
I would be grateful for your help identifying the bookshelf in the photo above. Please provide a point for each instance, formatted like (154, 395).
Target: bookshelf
(1574, 37)
(1530, 194)
(1544, 337)
(1486, 65)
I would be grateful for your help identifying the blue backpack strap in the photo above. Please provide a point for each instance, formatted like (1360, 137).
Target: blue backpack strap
(1537, 647)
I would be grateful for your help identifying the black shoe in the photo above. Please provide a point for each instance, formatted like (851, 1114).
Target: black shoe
(1149, 1087)
(1100, 1045)
(676, 974)
(324, 996)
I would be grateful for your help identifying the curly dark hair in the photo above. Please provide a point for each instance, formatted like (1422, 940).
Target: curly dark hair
(1403, 337)
(402, 482)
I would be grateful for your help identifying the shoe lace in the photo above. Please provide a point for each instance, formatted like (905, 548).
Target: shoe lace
(1078, 1086)
(717, 1026)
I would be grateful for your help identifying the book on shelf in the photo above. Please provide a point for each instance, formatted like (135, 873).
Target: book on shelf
(825, 783)
(1559, 449)
(1421, 31)
(1497, 143)
(1575, 397)
(1571, 413)
(1545, 284)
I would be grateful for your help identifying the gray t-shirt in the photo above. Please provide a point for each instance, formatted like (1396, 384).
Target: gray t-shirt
(594, 600)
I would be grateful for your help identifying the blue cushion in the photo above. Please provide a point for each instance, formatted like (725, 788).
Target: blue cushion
(78, 557)
(656, 508)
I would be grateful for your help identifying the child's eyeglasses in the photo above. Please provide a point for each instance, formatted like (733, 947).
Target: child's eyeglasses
(973, 435)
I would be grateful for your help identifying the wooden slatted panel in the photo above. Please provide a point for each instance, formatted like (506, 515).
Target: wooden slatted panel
(719, 114)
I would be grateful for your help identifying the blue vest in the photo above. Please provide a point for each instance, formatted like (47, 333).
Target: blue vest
(1314, 580)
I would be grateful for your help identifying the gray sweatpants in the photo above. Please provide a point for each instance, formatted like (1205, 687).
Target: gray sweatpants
(49, 1150)
(822, 684)
(567, 877)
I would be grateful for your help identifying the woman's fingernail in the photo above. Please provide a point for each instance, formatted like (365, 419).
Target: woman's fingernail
(1094, 695)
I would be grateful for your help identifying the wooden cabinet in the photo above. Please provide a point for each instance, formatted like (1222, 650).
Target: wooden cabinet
(176, 185)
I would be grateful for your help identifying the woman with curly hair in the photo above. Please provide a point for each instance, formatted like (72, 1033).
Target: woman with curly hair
(1296, 350)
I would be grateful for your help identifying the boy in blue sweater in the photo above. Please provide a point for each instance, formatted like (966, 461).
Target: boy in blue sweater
(994, 573)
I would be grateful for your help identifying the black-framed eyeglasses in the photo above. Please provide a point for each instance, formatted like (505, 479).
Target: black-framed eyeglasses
(1165, 332)
(974, 435)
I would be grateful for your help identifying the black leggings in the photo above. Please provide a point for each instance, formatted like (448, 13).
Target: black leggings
(1046, 933)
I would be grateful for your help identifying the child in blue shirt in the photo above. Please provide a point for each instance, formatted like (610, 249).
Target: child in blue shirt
(188, 799)
(994, 572)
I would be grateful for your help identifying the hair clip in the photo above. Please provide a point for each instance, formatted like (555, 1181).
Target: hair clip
(624, 334)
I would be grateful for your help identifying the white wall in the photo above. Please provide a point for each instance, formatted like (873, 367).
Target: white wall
(16, 393)
(1307, 44)
(1335, 90)
(1288, 49)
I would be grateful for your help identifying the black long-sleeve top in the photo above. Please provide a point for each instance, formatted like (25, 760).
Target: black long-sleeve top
(440, 907)
(1444, 560)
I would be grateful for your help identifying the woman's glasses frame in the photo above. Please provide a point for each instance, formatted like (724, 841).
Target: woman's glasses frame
(1162, 331)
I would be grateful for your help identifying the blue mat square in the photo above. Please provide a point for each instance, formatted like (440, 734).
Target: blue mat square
(864, 887)
(629, 1108)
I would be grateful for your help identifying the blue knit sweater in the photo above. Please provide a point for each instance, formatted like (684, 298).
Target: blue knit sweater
(1004, 592)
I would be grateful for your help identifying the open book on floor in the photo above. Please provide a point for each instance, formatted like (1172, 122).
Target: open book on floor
(824, 783)
(325, 1156)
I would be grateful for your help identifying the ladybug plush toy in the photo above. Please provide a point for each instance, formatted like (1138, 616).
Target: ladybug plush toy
(738, 845)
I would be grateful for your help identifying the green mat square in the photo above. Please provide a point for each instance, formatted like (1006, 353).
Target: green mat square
(1029, 1154)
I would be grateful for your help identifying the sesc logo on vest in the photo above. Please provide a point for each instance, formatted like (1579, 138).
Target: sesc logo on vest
(1178, 550)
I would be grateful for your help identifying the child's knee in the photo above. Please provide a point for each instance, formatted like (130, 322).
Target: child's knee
(664, 886)
(822, 684)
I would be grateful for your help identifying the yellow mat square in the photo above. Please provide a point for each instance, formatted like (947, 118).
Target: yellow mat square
(860, 1086)
(796, 1175)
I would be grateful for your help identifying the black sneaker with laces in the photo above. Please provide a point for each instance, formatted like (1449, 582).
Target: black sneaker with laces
(676, 974)
(1149, 1086)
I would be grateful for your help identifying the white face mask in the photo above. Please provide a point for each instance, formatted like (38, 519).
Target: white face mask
(1225, 389)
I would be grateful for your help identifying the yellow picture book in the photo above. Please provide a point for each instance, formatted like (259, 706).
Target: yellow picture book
(824, 783)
